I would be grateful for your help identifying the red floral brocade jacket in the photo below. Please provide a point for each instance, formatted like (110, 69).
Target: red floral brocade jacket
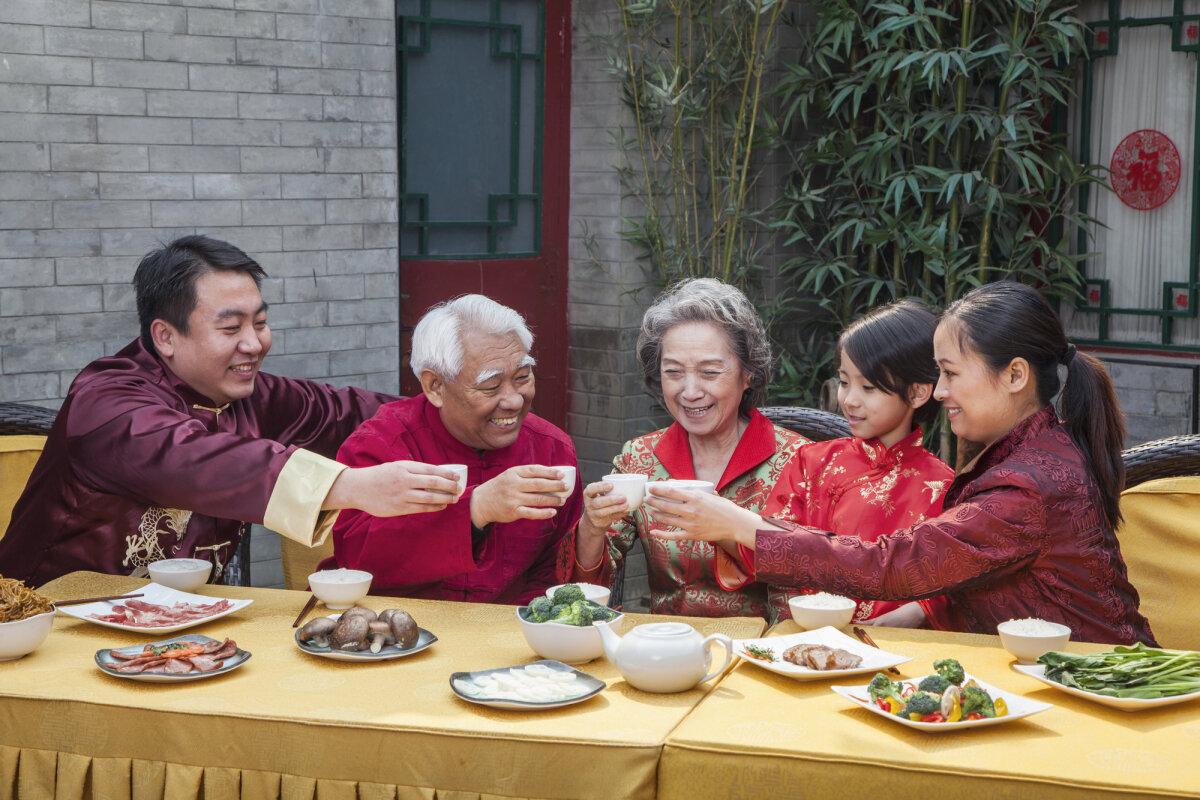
(1022, 535)
(857, 487)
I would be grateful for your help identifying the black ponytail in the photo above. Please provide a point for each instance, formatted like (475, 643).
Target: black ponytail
(1005, 320)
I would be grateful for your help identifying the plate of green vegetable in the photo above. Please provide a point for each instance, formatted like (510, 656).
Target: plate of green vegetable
(1128, 677)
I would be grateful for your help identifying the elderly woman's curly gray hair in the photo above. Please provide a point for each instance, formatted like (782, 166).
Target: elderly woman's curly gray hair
(708, 300)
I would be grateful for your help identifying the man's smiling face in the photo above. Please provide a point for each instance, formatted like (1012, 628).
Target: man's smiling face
(484, 405)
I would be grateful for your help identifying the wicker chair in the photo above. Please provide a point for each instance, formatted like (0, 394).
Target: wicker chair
(19, 419)
(811, 423)
(1172, 457)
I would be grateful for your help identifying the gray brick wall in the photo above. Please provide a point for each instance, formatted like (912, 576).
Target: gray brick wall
(1156, 393)
(124, 124)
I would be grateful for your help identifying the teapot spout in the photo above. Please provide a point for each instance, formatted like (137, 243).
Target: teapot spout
(610, 640)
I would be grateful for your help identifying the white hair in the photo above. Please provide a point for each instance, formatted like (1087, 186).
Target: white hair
(437, 339)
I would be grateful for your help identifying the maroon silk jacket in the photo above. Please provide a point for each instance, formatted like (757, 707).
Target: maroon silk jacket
(1021, 536)
(435, 555)
(132, 472)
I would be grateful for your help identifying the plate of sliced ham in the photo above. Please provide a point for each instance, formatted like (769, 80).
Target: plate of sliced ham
(160, 609)
(186, 658)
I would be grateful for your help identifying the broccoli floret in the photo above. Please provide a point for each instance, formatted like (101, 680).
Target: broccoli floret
(578, 613)
(539, 609)
(933, 683)
(921, 704)
(567, 593)
(601, 613)
(951, 670)
(978, 701)
(883, 686)
(557, 609)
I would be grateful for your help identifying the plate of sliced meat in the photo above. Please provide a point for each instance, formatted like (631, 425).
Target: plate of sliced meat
(815, 655)
(160, 609)
(186, 658)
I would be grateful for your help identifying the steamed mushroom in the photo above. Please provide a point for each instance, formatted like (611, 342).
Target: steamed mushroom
(403, 627)
(317, 631)
(350, 632)
(381, 634)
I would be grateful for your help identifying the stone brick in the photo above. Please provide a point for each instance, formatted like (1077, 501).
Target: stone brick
(379, 134)
(26, 330)
(362, 312)
(322, 186)
(361, 109)
(97, 100)
(360, 211)
(386, 284)
(272, 290)
(377, 185)
(278, 54)
(381, 235)
(21, 156)
(22, 272)
(201, 105)
(383, 335)
(282, 6)
(232, 185)
(280, 159)
(99, 157)
(136, 242)
(259, 241)
(51, 300)
(36, 12)
(92, 270)
(357, 56)
(377, 9)
(246, 24)
(290, 265)
(323, 237)
(29, 99)
(318, 81)
(1141, 428)
(107, 325)
(91, 42)
(381, 159)
(119, 297)
(191, 50)
(383, 382)
(1173, 404)
(138, 17)
(383, 359)
(221, 78)
(100, 213)
(62, 70)
(322, 134)
(29, 386)
(145, 186)
(21, 39)
(18, 215)
(194, 158)
(201, 213)
(363, 261)
(319, 340)
(313, 366)
(287, 316)
(279, 106)
(140, 74)
(302, 289)
(48, 244)
(284, 212)
(143, 130)
(378, 84)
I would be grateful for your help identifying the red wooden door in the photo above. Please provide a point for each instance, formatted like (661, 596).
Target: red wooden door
(484, 93)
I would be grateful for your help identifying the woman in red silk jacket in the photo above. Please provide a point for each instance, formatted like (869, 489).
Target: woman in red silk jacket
(1027, 529)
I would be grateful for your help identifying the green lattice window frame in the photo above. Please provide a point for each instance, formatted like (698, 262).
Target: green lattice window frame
(502, 208)
(1104, 40)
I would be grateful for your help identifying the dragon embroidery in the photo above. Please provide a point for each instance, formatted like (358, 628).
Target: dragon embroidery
(143, 547)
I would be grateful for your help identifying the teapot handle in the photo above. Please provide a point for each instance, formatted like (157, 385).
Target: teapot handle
(725, 642)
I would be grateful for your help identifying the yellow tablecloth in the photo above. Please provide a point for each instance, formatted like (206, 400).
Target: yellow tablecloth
(760, 735)
(288, 724)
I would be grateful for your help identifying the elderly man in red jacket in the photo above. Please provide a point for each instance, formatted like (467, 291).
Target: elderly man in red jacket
(497, 543)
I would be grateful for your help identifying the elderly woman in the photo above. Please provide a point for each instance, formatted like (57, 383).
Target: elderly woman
(704, 352)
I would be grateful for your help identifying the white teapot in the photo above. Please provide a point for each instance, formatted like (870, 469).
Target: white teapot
(663, 656)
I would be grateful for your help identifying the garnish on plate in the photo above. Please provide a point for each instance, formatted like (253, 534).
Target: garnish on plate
(760, 653)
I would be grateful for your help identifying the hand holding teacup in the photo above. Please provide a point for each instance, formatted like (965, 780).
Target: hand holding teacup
(609, 499)
(692, 510)
(530, 491)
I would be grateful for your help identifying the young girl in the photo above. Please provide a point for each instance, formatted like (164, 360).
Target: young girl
(1027, 529)
(881, 479)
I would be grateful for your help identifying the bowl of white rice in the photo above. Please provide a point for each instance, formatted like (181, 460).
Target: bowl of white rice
(811, 611)
(1028, 638)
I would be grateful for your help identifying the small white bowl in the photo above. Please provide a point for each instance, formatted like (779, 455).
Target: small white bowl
(340, 588)
(591, 591)
(1028, 647)
(566, 643)
(22, 637)
(810, 618)
(184, 574)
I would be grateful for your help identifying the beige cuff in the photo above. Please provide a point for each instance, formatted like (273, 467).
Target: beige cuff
(294, 509)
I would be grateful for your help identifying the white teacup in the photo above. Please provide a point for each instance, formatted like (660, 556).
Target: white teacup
(568, 479)
(460, 470)
(631, 486)
(704, 487)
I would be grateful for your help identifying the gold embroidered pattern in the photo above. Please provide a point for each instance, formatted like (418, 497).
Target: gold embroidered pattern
(143, 547)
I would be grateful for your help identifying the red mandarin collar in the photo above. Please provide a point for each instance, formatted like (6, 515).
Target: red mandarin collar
(878, 454)
(756, 446)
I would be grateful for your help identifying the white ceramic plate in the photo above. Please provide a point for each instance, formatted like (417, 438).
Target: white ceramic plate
(386, 653)
(104, 660)
(873, 659)
(1018, 707)
(158, 595)
(1038, 673)
(588, 687)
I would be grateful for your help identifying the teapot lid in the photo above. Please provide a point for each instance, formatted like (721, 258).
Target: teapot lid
(665, 629)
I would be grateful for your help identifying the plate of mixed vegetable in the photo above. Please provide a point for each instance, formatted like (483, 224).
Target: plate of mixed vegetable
(1128, 677)
(948, 699)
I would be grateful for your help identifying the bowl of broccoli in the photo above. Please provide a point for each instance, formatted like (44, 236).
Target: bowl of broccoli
(560, 627)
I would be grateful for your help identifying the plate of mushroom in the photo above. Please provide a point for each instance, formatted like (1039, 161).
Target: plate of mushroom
(360, 634)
